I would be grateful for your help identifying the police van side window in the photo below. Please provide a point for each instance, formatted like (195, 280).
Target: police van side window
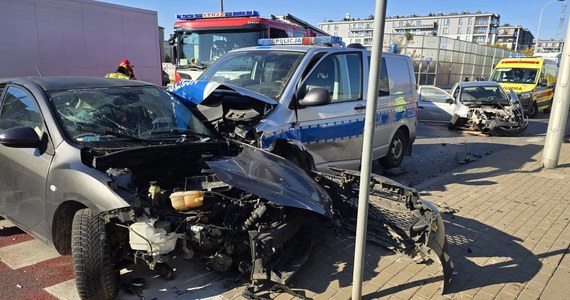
(383, 89)
(399, 81)
(340, 74)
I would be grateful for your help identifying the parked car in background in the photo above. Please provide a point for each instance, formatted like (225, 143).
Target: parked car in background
(306, 101)
(473, 105)
(116, 172)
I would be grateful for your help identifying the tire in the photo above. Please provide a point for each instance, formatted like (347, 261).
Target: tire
(95, 275)
(396, 151)
(547, 109)
(532, 110)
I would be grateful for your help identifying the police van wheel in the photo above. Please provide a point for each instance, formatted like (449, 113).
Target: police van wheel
(532, 110)
(396, 151)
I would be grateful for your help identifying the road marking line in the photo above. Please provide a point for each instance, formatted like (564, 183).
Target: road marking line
(5, 224)
(64, 291)
(26, 254)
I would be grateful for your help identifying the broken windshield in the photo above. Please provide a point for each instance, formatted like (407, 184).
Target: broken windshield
(264, 72)
(119, 113)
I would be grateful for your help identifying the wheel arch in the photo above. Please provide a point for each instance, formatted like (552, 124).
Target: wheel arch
(287, 148)
(61, 225)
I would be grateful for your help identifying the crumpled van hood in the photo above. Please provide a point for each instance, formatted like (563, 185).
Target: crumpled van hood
(195, 91)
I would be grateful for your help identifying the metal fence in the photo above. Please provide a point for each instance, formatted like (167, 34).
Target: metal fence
(450, 60)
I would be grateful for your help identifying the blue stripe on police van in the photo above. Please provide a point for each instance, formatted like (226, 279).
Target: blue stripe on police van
(335, 130)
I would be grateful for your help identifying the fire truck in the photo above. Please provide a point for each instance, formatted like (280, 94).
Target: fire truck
(199, 39)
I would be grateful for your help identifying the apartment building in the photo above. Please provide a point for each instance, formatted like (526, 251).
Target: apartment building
(514, 37)
(550, 45)
(476, 27)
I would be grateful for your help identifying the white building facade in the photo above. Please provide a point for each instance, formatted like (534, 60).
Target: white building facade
(478, 27)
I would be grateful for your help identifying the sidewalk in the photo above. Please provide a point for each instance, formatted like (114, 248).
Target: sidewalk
(508, 234)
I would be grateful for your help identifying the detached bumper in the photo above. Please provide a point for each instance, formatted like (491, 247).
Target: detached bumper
(397, 219)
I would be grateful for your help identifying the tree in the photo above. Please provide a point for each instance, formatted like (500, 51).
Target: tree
(527, 51)
(500, 46)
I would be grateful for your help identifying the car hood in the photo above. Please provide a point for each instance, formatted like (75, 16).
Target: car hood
(196, 91)
(273, 178)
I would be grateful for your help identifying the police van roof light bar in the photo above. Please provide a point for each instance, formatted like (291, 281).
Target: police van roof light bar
(318, 40)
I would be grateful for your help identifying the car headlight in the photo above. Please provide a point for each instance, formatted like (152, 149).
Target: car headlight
(524, 95)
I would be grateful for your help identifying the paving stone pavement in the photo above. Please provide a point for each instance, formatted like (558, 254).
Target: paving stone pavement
(507, 222)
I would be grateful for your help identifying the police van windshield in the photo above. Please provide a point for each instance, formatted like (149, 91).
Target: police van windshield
(264, 72)
(200, 49)
(515, 75)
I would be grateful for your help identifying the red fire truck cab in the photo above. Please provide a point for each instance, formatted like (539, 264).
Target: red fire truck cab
(199, 39)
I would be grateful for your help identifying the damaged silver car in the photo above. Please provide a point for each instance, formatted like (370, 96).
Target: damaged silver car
(473, 105)
(118, 172)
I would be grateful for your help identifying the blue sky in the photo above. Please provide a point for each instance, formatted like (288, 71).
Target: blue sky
(514, 12)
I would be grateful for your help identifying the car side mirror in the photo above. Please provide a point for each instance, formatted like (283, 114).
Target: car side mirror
(543, 82)
(316, 96)
(20, 137)
(449, 100)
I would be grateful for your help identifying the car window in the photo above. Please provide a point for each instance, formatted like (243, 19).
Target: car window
(19, 108)
(399, 79)
(340, 74)
(482, 93)
(433, 95)
(383, 83)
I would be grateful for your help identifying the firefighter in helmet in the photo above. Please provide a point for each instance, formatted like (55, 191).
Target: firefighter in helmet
(124, 71)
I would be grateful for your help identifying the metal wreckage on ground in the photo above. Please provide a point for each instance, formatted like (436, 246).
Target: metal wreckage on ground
(249, 211)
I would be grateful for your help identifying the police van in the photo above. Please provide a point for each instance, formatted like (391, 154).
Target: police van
(305, 100)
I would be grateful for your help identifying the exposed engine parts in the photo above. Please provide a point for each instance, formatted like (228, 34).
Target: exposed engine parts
(493, 119)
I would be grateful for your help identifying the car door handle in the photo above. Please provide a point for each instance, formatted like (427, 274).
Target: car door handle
(419, 106)
(359, 107)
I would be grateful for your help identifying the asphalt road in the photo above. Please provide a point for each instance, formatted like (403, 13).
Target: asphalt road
(438, 150)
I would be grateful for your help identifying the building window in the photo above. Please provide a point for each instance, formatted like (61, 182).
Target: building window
(460, 21)
(445, 22)
(468, 30)
(458, 30)
(445, 31)
(469, 20)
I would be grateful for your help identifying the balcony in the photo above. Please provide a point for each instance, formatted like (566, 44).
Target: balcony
(415, 25)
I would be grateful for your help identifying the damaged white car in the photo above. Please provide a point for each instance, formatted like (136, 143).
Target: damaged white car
(118, 172)
(474, 105)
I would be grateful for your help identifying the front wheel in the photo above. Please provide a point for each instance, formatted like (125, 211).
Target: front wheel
(396, 151)
(95, 275)
(532, 110)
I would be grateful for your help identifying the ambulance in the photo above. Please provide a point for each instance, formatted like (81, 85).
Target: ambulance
(532, 78)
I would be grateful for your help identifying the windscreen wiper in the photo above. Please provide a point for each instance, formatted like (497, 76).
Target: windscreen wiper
(182, 132)
(107, 131)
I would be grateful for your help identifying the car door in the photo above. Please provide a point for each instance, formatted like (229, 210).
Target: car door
(24, 170)
(333, 132)
(435, 104)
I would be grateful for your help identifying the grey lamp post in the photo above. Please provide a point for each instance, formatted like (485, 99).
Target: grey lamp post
(540, 21)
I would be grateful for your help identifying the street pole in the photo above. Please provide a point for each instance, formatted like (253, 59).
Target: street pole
(368, 139)
(540, 21)
(222, 6)
(559, 111)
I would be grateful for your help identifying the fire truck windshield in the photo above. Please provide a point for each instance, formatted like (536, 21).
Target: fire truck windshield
(264, 72)
(200, 49)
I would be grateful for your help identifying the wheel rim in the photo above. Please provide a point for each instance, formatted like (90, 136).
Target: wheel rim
(397, 149)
